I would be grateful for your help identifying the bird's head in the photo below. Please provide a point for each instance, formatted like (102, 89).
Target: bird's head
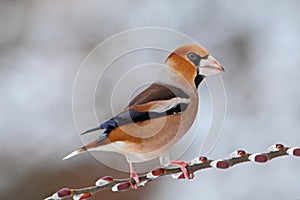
(194, 62)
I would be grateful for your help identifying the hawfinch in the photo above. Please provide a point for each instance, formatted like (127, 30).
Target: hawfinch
(161, 114)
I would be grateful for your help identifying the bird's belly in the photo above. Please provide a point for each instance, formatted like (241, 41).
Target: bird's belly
(157, 135)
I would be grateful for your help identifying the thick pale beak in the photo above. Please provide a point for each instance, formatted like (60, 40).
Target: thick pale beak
(210, 66)
(213, 63)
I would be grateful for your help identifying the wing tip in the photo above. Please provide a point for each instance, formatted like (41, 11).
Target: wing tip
(91, 130)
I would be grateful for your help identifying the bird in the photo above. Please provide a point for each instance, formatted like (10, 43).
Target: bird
(156, 118)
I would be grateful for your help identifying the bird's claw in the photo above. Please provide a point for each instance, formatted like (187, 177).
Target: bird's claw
(183, 166)
(135, 177)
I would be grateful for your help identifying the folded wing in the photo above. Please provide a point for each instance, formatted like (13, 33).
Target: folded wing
(155, 101)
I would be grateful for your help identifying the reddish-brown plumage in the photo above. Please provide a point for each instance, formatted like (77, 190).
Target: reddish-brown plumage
(140, 136)
(160, 133)
(184, 50)
(183, 67)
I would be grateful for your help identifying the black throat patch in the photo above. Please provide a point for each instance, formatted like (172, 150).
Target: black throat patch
(198, 79)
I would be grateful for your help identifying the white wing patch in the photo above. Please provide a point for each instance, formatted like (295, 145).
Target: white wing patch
(165, 105)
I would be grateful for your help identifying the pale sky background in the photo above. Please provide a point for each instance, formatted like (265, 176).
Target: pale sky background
(43, 43)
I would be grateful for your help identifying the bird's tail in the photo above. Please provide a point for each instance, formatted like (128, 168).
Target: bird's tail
(76, 152)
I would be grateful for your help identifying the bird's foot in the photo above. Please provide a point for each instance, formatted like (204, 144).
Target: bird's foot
(183, 166)
(135, 177)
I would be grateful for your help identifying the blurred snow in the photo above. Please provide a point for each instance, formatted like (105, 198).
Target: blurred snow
(42, 44)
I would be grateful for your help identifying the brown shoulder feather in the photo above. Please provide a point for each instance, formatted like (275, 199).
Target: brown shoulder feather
(156, 92)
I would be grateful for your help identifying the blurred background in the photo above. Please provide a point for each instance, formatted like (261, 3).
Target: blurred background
(42, 44)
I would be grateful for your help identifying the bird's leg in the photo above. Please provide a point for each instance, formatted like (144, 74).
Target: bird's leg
(135, 177)
(182, 166)
(164, 159)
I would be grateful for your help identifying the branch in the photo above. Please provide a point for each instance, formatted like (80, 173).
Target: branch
(196, 164)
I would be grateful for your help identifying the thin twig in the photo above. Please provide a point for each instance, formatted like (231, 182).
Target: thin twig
(196, 164)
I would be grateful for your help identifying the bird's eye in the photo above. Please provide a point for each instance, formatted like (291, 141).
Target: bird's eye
(192, 56)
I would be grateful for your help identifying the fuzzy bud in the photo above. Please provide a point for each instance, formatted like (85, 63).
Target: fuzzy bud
(258, 157)
(104, 180)
(199, 160)
(276, 147)
(121, 187)
(83, 196)
(156, 173)
(221, 164)
(238, 154)
(294, 151)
